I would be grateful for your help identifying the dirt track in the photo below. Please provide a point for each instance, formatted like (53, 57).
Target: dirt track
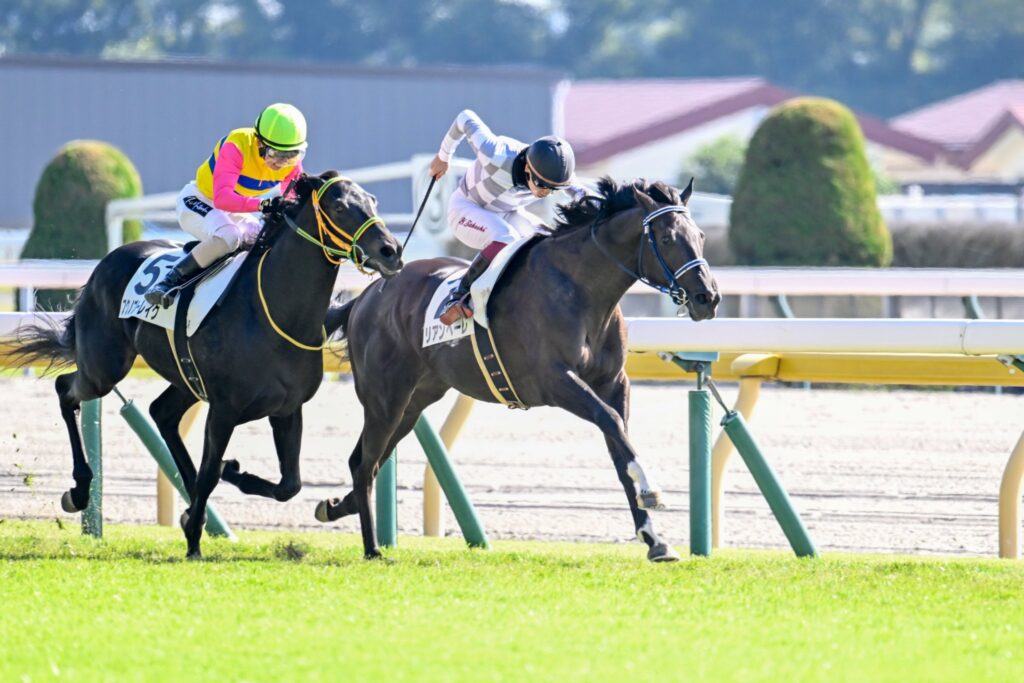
(878, 471)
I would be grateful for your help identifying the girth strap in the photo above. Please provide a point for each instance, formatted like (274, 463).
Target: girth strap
(180, 348)
(493, 369)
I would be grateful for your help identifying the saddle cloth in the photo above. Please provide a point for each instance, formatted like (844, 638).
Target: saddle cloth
(435, 331)
(208, 292)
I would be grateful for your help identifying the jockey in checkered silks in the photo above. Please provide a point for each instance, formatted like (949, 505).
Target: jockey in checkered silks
(487, 210)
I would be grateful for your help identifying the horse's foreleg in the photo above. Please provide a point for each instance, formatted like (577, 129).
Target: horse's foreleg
(167, 411)
(609, 411)
(77, 498)
(333, 509)
(287, 441)
(336, 508)
(219, 428)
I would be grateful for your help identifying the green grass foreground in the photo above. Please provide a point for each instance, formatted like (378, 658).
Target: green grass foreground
(281, 607)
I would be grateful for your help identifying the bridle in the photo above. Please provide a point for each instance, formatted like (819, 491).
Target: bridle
(346, 247)
(675, 288)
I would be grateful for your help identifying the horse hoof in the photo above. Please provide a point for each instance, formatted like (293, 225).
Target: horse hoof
(662, 552)
(650, 500)
(193, 555)
(377, 556)
(67, 503)
(229, 469)
(321, 511)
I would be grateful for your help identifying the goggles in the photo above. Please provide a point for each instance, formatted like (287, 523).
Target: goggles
(287, 156)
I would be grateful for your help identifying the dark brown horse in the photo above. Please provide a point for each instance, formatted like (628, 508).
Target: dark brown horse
(557, 325)
(250, 367)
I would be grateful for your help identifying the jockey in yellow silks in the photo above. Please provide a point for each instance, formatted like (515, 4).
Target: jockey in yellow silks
(222, 206)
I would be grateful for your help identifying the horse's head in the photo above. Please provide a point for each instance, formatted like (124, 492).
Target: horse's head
(672, 256)
(346, 222)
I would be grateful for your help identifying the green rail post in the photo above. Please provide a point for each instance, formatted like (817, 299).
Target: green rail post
(771, 489)
(700, 446)
(386, 498)
(461, 506)
(92, 441)
(154, 443)
(700, 472)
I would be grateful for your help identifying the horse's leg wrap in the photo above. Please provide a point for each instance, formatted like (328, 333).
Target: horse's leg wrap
(648, 496)
(657, 549)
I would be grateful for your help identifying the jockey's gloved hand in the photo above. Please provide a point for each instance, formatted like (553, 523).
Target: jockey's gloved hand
(272, 205)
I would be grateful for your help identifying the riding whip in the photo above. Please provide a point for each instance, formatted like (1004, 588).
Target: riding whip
(419, 213)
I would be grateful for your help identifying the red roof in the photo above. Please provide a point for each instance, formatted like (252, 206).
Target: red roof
(961, 122)
(604, 118)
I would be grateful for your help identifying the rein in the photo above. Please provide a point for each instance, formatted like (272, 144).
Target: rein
(675, 289)
(270, 319)
(345, 249)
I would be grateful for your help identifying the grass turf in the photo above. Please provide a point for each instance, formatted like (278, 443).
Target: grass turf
(306, 606)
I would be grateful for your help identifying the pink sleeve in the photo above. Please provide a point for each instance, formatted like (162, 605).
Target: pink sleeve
(225, 177)
(296, 172)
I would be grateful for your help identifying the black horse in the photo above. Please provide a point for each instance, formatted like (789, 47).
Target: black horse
(557, 324)
(258, 352)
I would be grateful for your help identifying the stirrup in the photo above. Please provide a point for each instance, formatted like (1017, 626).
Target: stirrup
(457, 310)
(163, 299)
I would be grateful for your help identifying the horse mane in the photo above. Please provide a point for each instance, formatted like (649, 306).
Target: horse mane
(301, 189)
(612, 198)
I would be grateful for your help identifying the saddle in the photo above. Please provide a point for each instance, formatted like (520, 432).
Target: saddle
(194, 301)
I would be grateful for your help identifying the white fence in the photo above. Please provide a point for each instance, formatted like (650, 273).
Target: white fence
(45, 274)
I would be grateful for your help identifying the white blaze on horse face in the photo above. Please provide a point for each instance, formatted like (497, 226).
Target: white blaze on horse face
(636, 473)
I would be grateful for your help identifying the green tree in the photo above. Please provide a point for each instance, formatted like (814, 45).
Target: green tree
(879, 56)
(69, 209)
(715, 165)
(806, 195)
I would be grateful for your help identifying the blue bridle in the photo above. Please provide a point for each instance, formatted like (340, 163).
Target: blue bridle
(675, 289)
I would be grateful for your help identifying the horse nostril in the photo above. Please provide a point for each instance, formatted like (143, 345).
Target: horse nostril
(702, 298)
(387, 251)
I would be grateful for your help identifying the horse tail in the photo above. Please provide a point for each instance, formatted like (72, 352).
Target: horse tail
(337, 318)
(52, 341)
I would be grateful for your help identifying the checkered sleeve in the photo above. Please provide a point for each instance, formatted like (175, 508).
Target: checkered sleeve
(468, 125)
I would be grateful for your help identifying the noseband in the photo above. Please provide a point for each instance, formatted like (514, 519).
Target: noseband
(675, 288)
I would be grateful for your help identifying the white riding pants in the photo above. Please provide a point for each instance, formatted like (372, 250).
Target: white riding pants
(197, 217)
(476, 227)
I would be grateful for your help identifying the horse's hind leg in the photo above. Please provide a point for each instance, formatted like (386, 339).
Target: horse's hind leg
(96, 376)
(77, 498)
(608, 409)
(288, 442)
(167, 411)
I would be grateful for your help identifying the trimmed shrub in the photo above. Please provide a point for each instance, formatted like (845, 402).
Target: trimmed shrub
(806, 195)
(69, 208)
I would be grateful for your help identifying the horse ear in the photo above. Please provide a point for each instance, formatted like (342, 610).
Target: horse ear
(644, 200)
(305, 185)
(687, 192)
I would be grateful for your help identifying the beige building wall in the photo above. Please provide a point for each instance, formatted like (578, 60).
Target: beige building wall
(663, 159)
(1004, 160)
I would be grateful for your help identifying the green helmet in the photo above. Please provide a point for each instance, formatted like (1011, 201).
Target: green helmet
(282, 126)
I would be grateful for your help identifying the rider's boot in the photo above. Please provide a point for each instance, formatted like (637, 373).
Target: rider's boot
(160, 293)
(457, 305)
